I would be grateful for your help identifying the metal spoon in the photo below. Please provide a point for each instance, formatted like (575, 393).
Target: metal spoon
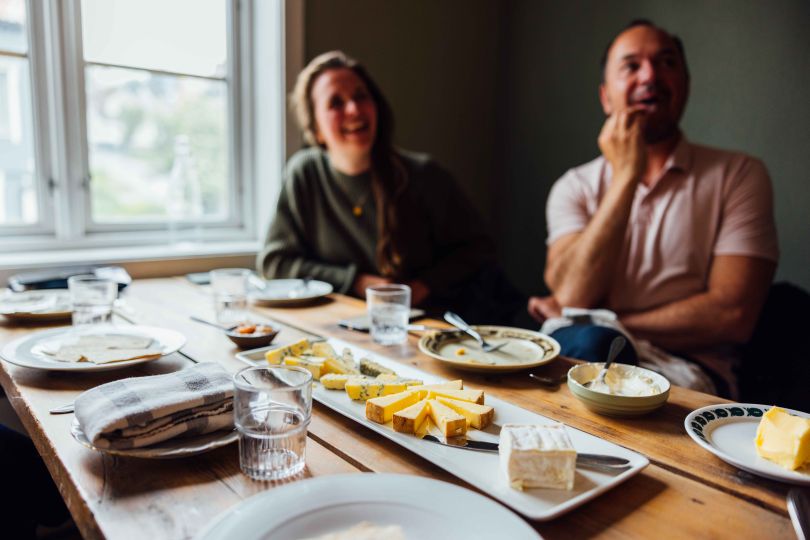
(459, 323)
(616, 347)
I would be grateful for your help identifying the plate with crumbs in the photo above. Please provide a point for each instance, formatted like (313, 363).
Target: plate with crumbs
(522, 349)
(728, 431)
(36, 306)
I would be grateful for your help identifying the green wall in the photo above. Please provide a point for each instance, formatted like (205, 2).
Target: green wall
(504, 94)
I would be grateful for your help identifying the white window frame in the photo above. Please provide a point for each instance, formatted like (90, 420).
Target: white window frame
(55, 54)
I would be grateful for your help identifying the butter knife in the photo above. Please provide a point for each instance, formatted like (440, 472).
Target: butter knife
(798, 503)
(591, 461)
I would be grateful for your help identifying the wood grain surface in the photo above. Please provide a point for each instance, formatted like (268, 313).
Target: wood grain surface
(685, 492)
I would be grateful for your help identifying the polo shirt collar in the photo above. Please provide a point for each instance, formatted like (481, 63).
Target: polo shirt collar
(681, 158)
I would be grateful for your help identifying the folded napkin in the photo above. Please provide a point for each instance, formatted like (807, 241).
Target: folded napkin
(142, 411)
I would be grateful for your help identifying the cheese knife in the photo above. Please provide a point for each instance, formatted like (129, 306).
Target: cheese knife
(591, 461)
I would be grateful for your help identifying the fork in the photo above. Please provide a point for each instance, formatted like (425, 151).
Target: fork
(459, 323)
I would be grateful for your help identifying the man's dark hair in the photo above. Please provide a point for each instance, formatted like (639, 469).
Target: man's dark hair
(644, 22)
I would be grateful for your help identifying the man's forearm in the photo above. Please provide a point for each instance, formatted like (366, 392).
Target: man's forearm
(581, 273)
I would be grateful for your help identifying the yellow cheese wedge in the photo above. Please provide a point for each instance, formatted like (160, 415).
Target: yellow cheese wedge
(363, 388)
(382, 409)
(452, 385)
(333, 364)
(372, 369)
(312, 364)
(478, 416)
(473, 396)
(275, 356)
(449, 421)
(409, 419)
(784, 438)
(323, 348)
(334, 381)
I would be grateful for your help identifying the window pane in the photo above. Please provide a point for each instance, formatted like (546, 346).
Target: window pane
(180, 36)
(18, 196)
(156, 142)
(13, 36)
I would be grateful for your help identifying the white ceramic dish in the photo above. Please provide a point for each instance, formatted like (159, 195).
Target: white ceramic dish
(174, 448)
(287, 292)
(727, 430)
(614, 405)
(422, 507)
(524, 349)
(481, 469)
(36, 306)
(26, 352)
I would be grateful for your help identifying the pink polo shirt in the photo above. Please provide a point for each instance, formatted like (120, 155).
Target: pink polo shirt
(706, 202)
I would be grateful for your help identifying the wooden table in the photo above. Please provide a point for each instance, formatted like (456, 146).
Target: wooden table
(685, 492)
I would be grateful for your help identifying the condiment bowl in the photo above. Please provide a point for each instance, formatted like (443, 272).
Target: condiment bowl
(248, 341)
(617, 405)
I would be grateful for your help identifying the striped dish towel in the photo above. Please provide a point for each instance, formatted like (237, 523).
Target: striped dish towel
(142, 411)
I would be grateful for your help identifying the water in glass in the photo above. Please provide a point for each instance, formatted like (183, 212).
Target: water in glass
(389, 323)
(272, 442)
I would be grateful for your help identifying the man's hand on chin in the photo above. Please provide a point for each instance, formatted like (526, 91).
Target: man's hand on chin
(622, 142)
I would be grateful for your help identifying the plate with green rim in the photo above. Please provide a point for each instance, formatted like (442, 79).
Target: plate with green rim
(727, 430)
(523, 349)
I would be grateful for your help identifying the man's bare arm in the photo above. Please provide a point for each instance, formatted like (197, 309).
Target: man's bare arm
(725, 314)
(580, 266)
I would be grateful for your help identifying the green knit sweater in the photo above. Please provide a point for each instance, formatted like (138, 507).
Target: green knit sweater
(316, 233)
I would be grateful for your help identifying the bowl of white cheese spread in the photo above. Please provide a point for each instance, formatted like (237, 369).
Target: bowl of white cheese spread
(628, 390)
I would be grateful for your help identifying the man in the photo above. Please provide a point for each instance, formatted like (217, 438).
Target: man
(677, 239)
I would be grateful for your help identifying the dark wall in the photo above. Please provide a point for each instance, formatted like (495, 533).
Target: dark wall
(504, 94)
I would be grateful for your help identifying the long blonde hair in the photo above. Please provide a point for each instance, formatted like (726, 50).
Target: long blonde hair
(388, 174)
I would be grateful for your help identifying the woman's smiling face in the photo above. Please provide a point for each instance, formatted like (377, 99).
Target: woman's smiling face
(345, 114)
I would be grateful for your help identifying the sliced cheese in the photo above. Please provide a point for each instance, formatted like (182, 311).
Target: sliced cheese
(535, 456)
(334, 381)
(323, 348)
(448, 421)
(364, 388)
(473, 396)
(454, 385)
(478, 416)
(312, 364)
(784, 438)
(372, 369)
(409, 419)
(333, 364)
(382, 409)
(275, 356)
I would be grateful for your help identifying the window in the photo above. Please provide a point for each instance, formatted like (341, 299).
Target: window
(129, 122)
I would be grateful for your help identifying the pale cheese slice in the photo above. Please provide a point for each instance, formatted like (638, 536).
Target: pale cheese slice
(449, 421)
(474, 396)
(408, 420)
(382, 409)
(478, 416)
(458, 384)
(276, 356)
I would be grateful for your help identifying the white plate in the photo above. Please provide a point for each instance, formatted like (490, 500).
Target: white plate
(482, 469)
(727, 430)
(173, 448)
(524, 349)
(25, 351)
(39, 305)
(422, 507)
(283, 292)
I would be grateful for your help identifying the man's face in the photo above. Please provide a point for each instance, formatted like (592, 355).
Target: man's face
(644, 68)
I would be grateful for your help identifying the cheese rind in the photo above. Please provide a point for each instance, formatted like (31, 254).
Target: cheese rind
(478, 416)
(275, 356)
(537, 456)
(448, 421)
(784, 438)
(409, 419)
(382, 409)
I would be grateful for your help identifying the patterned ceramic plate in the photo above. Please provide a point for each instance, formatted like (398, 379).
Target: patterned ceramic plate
(523, 349)
(728, 432)
(174, 448)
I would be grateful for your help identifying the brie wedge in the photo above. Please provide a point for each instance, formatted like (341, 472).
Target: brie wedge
(536, 456)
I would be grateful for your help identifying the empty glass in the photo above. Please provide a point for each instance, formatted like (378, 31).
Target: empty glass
(272, 409)
(92, 299)
(388, 308)
(230, 294)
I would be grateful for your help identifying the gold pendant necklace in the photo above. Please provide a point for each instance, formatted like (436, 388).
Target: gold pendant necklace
(357, 210)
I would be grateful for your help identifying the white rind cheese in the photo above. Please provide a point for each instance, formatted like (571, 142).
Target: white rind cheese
(536, 456)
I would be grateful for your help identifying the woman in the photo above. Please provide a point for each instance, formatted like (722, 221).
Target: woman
(356, 212)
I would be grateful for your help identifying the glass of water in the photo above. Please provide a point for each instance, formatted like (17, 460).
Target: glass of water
(230, 294)
(272, 409)
(388, 307)
(92, 299)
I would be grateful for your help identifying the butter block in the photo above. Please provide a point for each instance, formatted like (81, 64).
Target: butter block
(537, 456)
(784, 438)
(382, 409)
(448, 421)
(409, 419)
(373, 369)
(275, 356)
(478, 416)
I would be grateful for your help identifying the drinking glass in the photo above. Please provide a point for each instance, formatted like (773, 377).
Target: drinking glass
(272, 409)
(92, 299)
(388, 308)
(230, 294)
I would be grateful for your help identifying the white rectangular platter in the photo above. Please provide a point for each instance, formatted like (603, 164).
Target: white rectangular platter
(482, 469)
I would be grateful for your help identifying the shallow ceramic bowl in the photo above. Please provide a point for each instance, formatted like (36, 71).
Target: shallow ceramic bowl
(251, 342)
(611, 405)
